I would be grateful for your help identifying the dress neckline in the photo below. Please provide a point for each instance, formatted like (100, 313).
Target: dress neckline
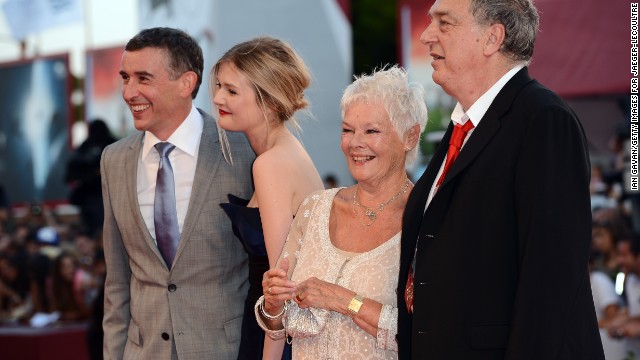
(327, 201)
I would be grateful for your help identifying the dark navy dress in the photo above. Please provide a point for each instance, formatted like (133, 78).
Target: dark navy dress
(247, 226)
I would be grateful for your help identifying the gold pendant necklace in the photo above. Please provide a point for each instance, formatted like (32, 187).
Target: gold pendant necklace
(370, 213)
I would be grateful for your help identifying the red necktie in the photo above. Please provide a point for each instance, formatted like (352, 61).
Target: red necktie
(455, 144)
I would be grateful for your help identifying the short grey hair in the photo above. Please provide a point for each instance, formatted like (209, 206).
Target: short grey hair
(520, 20)
(403, 100)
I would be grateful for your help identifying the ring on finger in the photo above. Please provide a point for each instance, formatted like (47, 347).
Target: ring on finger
(299, 298)
(269, 290)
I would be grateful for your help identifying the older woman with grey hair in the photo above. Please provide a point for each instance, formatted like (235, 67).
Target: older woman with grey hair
(333, 291)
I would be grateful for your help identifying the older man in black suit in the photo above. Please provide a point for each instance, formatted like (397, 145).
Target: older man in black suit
(496, 233)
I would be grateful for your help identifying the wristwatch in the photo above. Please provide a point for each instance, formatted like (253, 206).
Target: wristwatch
(355, 305)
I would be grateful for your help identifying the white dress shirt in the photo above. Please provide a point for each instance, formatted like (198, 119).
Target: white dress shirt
(183, 160)
(475, 114)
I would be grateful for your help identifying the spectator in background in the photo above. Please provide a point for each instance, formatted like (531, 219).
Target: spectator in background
(95, 334)
(38, 270)
(330, 181)
(14, 285)
(605, 298)
(38, 216)
(608, 305)
(627, 323)
(86, 247)
(83, 175)
(605, 232)
(64, 294)
(42, 247)
(6, 218)
(599, 190)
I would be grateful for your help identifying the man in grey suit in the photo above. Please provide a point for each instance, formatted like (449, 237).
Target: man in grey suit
(185, 302)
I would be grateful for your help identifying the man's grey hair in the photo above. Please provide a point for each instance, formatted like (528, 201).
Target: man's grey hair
(520, 20)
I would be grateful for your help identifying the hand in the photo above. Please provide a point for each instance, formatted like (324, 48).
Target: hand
(614, 325)
(629, 330)
(277, 288)
(320, 294)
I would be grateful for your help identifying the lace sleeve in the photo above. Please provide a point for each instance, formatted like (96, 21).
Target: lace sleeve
(387, 328)
(297, 230)
(291, 246)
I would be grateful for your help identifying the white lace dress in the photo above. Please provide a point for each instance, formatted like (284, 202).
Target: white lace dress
(373, 274)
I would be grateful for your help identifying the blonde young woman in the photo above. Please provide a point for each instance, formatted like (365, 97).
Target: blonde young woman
(259, 85)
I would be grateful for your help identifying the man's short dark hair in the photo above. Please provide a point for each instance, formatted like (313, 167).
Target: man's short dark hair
(184, 52)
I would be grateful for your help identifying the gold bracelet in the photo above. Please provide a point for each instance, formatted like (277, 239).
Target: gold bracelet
(355, 305)
(267, 315)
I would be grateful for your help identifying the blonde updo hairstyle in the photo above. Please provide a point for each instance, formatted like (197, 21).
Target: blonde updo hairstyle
(277, 73)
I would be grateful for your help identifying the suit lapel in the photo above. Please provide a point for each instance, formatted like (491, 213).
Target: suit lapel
(418, 198)
(489, 125)
(209, 158)
(421, 191)
(131, 166)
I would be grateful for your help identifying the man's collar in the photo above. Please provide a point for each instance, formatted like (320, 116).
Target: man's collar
(480, 107)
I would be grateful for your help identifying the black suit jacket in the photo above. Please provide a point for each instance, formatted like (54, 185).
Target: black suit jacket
(501, 262)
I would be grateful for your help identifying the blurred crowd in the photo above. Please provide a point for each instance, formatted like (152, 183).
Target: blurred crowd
(615, 258)
(51, 271)
(52, 266)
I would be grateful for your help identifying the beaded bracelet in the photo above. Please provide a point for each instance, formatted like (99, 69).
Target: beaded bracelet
(267, 315)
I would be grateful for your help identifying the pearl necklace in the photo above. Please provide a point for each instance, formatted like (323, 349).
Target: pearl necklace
(372, 214)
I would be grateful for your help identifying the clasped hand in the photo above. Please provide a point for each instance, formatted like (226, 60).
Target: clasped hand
(312, 292)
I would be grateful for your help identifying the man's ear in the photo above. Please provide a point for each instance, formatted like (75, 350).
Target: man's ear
(494, 38)
(188, 82)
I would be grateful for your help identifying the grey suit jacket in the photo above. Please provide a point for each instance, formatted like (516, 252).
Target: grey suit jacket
(193, 311)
